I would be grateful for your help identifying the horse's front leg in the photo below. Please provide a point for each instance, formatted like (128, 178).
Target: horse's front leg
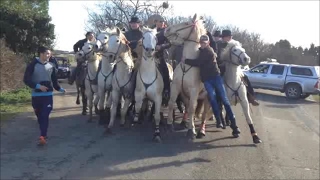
(157, 118)
(246, 109)
(194, 93)
(84, 101)
(102, 95)
(78, 95)
(139, 96)
(115, 101)
(90, 99)
(96, 101)
(124, 110)
(202, 131)
(175, 90)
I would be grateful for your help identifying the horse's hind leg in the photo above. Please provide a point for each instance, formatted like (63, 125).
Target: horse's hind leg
(206, 108)
(78, 94)
(246, 110)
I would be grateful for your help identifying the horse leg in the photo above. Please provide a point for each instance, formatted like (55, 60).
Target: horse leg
(115, 101)
(78, 94)
(124, 110)
(138, 106)
(202, 131)
(246, 109)
(175, 90)
(96, 101)
(194, 93)
(107, 110)
(84, 101)
(157, 103)
(102, 95)
(90, 99)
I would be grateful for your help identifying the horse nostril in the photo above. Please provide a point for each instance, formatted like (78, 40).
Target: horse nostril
(152, 49)
(80, 54)
(245, 59)
(110, 56)
(147, 49)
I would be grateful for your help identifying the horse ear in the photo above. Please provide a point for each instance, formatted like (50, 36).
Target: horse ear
(118, 31)
(195, 17)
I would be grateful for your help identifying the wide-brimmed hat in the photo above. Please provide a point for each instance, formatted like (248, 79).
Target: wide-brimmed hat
(226, 33)
(134, 19)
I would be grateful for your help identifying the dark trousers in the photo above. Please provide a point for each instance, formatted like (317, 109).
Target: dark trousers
(212, 86)
(165, 73)
(42, 106)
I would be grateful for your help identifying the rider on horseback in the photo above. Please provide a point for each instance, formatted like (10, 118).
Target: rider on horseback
(77, 47)
(162, 45)
(226, 37)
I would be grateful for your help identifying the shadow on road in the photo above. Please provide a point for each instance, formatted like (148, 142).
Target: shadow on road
(279, 99)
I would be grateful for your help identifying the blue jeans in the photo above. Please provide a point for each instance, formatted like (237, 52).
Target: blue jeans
(212, 86)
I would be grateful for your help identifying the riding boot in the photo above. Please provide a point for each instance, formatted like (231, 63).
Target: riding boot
(95, 80)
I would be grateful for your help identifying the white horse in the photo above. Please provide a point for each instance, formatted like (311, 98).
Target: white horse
(149, 83)
(235, 56)
(186, 79)
(119, 51)
(88, 51)
(104, 77)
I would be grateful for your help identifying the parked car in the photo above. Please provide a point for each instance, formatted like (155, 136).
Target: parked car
(296, 81)
(63, 68)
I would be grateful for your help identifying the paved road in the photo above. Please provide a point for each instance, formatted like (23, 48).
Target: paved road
(77, 150)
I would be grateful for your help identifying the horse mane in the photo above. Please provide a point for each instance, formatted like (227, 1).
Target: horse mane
(231, 43)
(145, 29)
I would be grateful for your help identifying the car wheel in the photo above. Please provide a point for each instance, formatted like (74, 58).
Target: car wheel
(293, 91)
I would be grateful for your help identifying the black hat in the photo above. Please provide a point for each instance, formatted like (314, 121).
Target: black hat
(88, 33)
(135, 19)
(226, 33)
(217, 33)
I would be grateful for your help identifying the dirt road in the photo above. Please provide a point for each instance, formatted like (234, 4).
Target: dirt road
(78, 150)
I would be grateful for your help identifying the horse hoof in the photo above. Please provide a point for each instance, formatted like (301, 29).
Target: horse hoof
(256, 139)
(191, 134)
(200, 135)
(183, 124)
(157, 139)
(228, 123)
(84, 113)
(224, 127)
(77, 102)
(108, 131)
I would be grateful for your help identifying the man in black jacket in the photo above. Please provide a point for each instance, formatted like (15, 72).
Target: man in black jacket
(210, 76)
(77, 47)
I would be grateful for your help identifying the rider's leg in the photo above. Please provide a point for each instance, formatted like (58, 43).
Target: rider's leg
(250, 91)
(165, 76)
(95, 80)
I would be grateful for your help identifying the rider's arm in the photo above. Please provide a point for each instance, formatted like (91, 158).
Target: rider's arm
(27, 78)
(76, 46)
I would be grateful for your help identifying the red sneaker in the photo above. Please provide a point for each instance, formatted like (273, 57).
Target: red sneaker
(42, 141)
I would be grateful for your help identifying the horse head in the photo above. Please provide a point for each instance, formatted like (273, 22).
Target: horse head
(102, 39)
(88, 51)
(235, 54)
(186, 31)
(117, 45)
(149, 41)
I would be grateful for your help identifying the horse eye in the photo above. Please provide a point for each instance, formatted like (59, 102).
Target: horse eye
(105, 37)
(118, 40)
(234, 50)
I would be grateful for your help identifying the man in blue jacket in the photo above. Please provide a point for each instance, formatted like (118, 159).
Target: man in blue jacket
(40, 76)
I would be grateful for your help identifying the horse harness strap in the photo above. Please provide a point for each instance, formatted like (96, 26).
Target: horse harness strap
(105, 80)
(235, 92)
(122, 87)
(147, 85)
(184, 71)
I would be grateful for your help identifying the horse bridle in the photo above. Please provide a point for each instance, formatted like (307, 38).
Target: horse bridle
(117, 52)
(193, 25)
(236, 55)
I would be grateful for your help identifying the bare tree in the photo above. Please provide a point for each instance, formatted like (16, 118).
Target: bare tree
(120, 11)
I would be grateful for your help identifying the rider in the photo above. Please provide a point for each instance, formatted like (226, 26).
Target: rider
(162, 44)
(226, 37)
(210, 76)
(216, 40)
(77, 47)
(53, 60)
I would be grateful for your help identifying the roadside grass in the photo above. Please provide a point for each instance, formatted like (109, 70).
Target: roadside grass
(14, 102)
(316, 98)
